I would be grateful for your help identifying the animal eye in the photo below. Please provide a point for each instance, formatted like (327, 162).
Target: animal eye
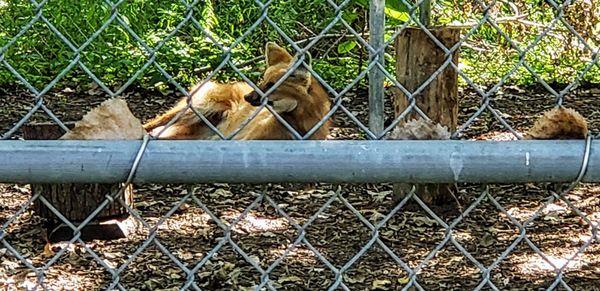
(268, 86)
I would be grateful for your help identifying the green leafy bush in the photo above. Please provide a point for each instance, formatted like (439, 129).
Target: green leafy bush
(122, 52)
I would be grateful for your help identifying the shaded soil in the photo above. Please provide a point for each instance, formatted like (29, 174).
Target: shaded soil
(411, 238)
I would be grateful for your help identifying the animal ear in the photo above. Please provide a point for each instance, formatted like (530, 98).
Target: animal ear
(285, 105)
(276, 54)
(301, 73)
(301, 76)
(307, 60)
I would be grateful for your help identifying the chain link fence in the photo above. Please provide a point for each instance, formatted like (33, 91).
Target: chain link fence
(377, 71)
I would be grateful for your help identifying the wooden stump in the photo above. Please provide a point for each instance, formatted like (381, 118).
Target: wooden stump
(76, 201)
(417, 59)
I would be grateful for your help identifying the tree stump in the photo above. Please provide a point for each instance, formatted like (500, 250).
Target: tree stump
(417, 59)
(76, 201)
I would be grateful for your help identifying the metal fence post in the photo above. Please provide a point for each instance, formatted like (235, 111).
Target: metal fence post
(376, 76)
(425, 12)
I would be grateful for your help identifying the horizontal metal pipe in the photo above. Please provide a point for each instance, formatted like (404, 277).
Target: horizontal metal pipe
(297, 161)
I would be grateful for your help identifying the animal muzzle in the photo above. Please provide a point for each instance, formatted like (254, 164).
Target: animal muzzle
(253, 98)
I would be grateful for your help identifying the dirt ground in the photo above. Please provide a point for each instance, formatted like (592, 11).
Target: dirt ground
(481, 238)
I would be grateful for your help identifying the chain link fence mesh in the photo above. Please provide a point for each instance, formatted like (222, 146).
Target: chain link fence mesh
(377, 47)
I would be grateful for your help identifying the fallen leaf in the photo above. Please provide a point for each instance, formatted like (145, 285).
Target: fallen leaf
(381, 284)
(354, 279)
(109, 264)
(487, 240)
(48, 252)
(552, 216)
(187, 256)
(256, 259)
(288, 279)
(423, 220)
(221, 193)
(379, 196)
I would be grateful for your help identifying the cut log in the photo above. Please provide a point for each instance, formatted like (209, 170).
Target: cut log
(77, 201)
(418, 58)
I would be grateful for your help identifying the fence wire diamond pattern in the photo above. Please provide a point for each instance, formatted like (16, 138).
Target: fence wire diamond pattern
(375, 68)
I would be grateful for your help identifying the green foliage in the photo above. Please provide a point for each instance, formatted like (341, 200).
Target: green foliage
(118, 54)
(490, 53)
(346, 46)
(395, 10)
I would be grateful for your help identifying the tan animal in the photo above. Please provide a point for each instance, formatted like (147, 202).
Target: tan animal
(300, 100)
(559, 123)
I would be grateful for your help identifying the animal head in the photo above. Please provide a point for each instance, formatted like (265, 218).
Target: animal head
(294, 89)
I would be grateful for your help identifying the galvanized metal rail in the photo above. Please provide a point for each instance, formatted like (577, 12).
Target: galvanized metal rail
(302, 161)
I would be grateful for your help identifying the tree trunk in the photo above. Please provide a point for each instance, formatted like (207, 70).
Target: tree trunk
(76, 201)
(417, 59)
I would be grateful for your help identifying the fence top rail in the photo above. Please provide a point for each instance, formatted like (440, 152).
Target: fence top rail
(301, 161)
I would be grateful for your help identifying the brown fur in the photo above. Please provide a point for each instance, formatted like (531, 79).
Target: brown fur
(559, 123)
(300, 100)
